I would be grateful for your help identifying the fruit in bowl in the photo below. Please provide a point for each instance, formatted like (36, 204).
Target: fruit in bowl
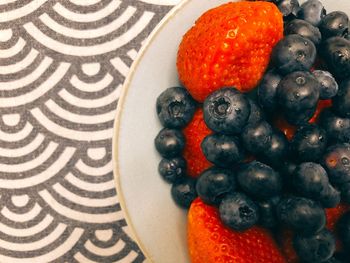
(248, 145)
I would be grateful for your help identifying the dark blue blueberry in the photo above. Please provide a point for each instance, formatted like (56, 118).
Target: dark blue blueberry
(286, 170)
(341, 102)
(304, 29)
(315, 248)
(222, 150)
(175, 107)
(238, 211)
(345, 192)
(312, 11)
(331, 198)
(335, 24)
(267, 91)
(184, 192)
(298, 95)
(226, 110)
(170, 142)
(271, 1)
(267, 212)
(309, 143)
(213, 184)
(343, 229)
(172, 169)
(301, 214)
(288, 7)
(337, 163)
(339, 257)
(328, 85)
(299, 117)
(336, 53)
(259, 180)
(337, 128)
(256, 114)
(257, 137)
(333, 260)
(311, 181)
(277, 151)
(293, 53)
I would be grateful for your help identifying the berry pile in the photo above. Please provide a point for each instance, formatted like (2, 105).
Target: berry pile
(279, 155)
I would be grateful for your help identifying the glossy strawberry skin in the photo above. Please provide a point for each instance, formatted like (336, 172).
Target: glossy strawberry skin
(229, 45)
(210, 241)
(194, 134)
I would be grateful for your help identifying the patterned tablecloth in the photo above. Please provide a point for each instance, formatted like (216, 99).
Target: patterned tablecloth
(62, 64)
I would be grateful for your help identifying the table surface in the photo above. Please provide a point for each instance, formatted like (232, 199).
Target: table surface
(62, 65)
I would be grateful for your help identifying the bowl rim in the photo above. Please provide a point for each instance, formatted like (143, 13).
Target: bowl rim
(116, 127)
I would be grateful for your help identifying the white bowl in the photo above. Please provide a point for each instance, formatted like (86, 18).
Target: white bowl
(158, 225)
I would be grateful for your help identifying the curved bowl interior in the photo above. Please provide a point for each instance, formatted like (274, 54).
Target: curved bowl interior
(158, 224)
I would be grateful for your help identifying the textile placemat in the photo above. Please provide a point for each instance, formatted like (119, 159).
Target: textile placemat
(62, 64)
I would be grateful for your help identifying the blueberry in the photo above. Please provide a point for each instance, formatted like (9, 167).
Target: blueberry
(345, 192)
(259, 180)
(301, 214)
(328, 85)
(343, 230)
(170, 142)
(331, 198)
(341, 102)
(257, 137)
(309, 143)
(334, 24)
(222, 150)
(175, 107)
(304, 29)
(311, 181)
(277, 151)
(267, 91)
(312, 11)
(333, 260)
(297, 95)
(336, 53)
(267, 212)
(256, 114)
(184, 192)
(293, 53)
(339, 257)
(226, 110)
(337, 128)
(286, 170)
(172, 169)
(288, 7)
(316, 248)
(213, 184)
(337, 162)
(238, 211)
(271, 1)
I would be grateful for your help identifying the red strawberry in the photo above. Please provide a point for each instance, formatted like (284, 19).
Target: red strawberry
(209, 241)
(286, 241)
(333, 215)
(229, 45)
(194, 133)
(322, 104)
(286, 236)
(281, 124)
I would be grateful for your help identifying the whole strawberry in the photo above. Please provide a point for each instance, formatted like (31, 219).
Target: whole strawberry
(229, 46)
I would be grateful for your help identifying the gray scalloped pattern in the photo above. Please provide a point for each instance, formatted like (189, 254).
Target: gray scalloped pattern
(62, 64)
